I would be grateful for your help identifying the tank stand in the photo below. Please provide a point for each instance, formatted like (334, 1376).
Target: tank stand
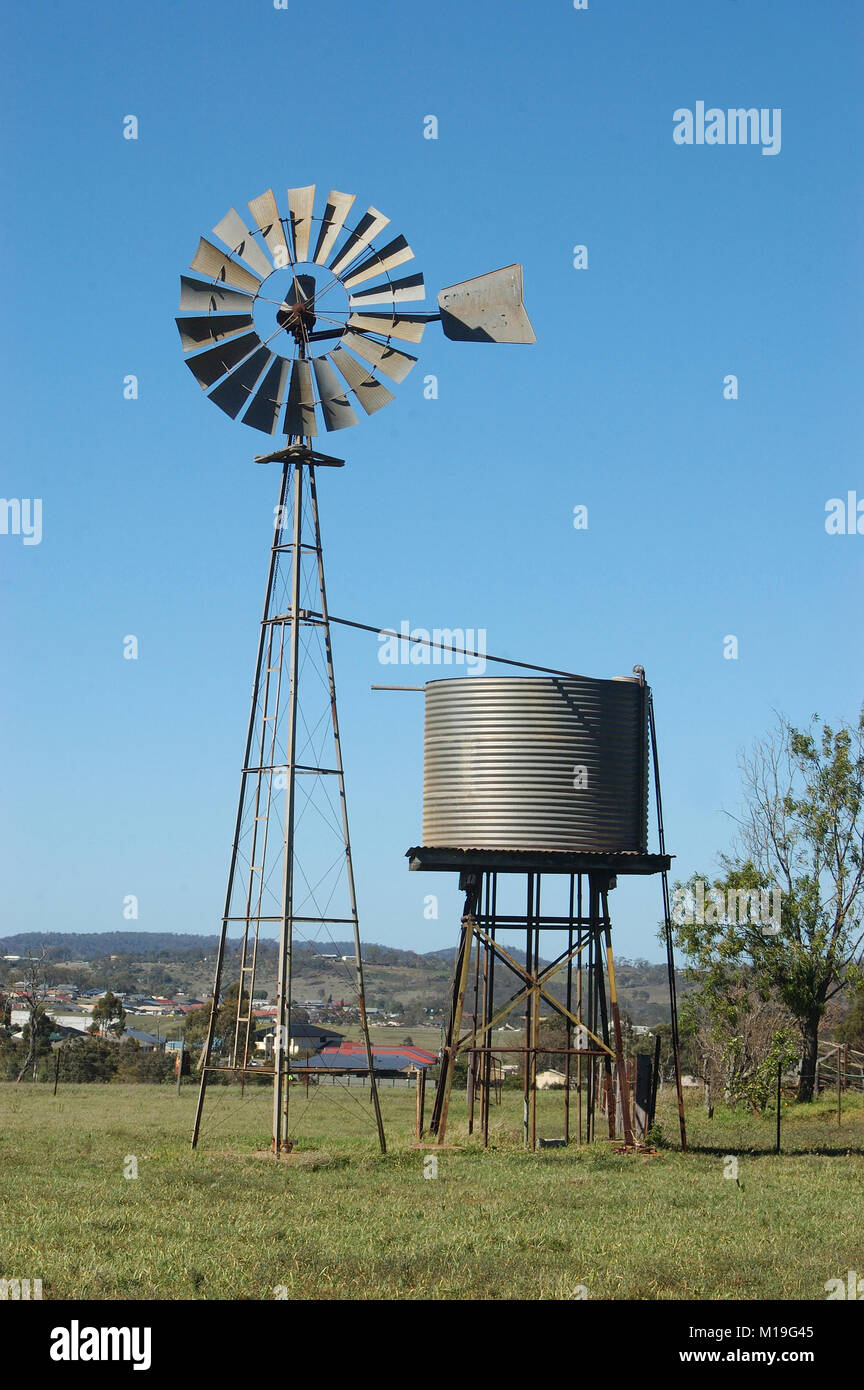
(589, 1007)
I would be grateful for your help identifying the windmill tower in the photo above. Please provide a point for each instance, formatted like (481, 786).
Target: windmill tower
(288, 322)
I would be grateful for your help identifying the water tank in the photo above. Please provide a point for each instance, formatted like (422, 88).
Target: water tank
(549, 763)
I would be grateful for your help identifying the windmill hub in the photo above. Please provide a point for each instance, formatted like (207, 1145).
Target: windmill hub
(297, 319)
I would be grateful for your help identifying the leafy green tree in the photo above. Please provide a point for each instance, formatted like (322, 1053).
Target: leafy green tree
(136, 1064)
(198, 1021)
(802, 832)
(32, 995)
(88, 1059)
(109, 1016)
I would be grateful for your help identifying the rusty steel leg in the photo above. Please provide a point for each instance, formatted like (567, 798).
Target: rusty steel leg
(421, 1101)
(492, 903)
(620, 1063)
(448, 1061)
(475, 1058)
(535, 1020)
(595, 929)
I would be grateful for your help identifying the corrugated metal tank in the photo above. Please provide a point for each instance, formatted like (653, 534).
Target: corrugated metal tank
(547, 763)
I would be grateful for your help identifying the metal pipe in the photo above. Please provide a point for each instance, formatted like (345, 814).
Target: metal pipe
(667, 922)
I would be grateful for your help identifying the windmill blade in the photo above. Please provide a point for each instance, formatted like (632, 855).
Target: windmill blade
(371, 223)
(235, 390)
(213, 262)
(195, 332)
(391, 361)
(396, 252)
(301, 203)
(409, 327)
(338, 207)
(338, 414)
(263, 413)
(237, 237)
(398, 291)
(208, 366)
(198, 297)
(369, 392)
(265, 213)
(487, 309)
(300, 410)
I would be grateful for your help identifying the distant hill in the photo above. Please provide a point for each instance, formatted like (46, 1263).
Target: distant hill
(63, 945)
(396, 979)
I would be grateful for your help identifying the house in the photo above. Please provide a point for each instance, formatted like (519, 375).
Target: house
(387, 1061)
(305, 1039)
(550, 1080)
(148, 1042)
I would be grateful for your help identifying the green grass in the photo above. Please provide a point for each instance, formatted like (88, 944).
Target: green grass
(343, 1222)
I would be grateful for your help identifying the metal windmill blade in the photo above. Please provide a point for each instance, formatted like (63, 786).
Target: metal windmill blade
(237, 237)
(300, 410)
(338, 207)
(263, 412)
(403, 291)
(408, 327)
(335, 408)
(265, 211)
(369, 392)
(202, 298)
(301, 203)
(371, 223)
(391, 361)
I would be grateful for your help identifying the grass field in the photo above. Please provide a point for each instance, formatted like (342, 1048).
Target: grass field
(340, 1221)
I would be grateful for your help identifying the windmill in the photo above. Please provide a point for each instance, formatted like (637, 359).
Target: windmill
(288, 322)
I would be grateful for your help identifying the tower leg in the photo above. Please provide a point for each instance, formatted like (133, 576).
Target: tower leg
(448, 1060)
(620, 1063)
(207, 1051)
(282, 1034)
(343, 803)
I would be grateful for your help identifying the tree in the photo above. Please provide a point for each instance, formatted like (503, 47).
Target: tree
(801, 832)
(197, 1022)
(88, 1059)
(33, 997)
(109, 1016)
(738, 1035)
(851, 1029)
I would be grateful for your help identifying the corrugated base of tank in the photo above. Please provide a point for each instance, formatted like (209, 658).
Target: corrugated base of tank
(522, 861)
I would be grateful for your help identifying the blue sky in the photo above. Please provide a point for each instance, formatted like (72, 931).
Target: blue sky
(706, 516)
